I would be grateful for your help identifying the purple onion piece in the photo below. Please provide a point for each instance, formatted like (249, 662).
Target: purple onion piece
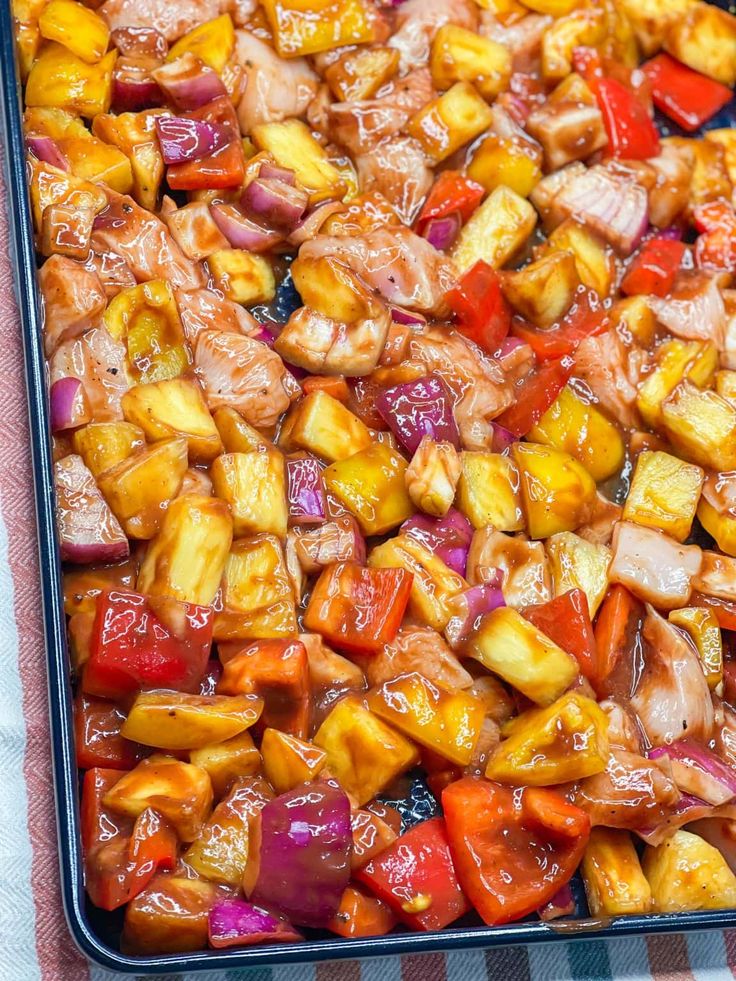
(305, 491)
(304, 858)
(419, 408)
(561, 904)
(272, 172)
(189, 83)
(672, 232)
(185, 139)
(47, 150)
(313, 220)
(242, 232)
(69, 406)
(468, 608)
(234, 922)
(408, 318)
(698, 771)
(448, 537)
(274, 203)
(88, 530)
(133, 88)
(442, 232)
(502, 438)
(688, 808)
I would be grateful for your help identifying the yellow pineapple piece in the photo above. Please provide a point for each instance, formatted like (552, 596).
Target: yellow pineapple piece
(651, 19)
(450, 121)
(254, 485)
(595, 261)
(725, 385)
(289, 761)
(371, 485)
(634, 315)
(701, 426)
(327, 285)
(579, 28)
(496, 231)
(709, 180)
(459, 55)
(614, 882)
(488, 491)
(322, 425)
(557, 492)
(175, 720)
(175, 407)
(359, 74)
(705, 39)
(543, 291)
(242, 276)
(676, 360)
(687, 873)
(727, 139)
(146, 319)
(257, 593)
(75, 26)
(50, 186)
(664, 493)
(578, 564)
(301, 29)
(60, 79)
(702, 627)
(499, 161)
(556, 8)
(104, 444)
(228, 760)
(212, 42)
(722, 526)
(237, 435)
(134, 133)
(292, 145)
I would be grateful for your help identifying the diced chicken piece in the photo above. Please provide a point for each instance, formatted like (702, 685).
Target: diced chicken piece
(242, 373)
(717, 576)
(568, 131)
(418, 21)
(73, 298)
(653, 566)
(672, 698)
(623, 731)
(360, 126)
(523, 38)
(403, 267)
(322, 345)
(476, 380)
(418, 649)
(193, 228)
(694, 309)
(88, 530)
(114, 272)
(632, 792)
(243, 10)
(275, 88)
(670, 193)
(144, 242)
(99, 362)
(206, 310)
(613, 373)
(334, 541)
(398, 170)
(172, 18)
(525, 575)
(599, 529)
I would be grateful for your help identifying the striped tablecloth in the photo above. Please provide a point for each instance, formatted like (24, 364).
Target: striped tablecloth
(34, 942)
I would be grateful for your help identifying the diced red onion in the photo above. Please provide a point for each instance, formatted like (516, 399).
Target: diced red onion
(272, 172)
(185, 139)
(561, 904)
(265, 336)
(236, 923)
(502, 438)
(274, 203)
(467, 609)
(189, 83)
(303, 860)
(672, 232)
(88, 530)
(698, 771)
(448, 537)
(419, 408)
(241, 232)
(69, 406)
(442, 232)
(611, 204)
(313, 220)
(47, 150)
(305, 491)
(687, 809)
(133, 87)
(400, 315)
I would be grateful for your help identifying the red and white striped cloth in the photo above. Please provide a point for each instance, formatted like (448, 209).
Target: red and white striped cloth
(34, 941)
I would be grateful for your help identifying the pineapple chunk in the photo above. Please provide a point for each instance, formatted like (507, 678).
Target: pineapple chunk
(301, 28)
(513, 163)
(633, 315)
(582, 28)
(705, 39)
(289, 761)
(727, 139)
(226, 761)
(104, 444)
(702, 627)
(496, 231)
(139, 488)
(450, 121)
(523, 566)
(187, 558)
(95, 161)
(687, 873)
(27, 35)
(433, 584)
(511, 647)
(257, 594)
(363, 753)
(595, 261)
(212, 42)
(446, 722)
(176, 721)
(578, 564)
(60, 79)
(146, 319)
(292, 146)
(175, 407)
(180, 792)
(75, 26)
(614, 882)
(676, 360)
(725, 382)
(371, 485)
(581, 429)
(359, 74)
(709, 180)
(651, 19)
(544, 290)
(566, 741)
(459, 55)
(432, 476)
(135, 134)
(664, 493)
(322, 425)
(701, 426)
(237, 435)
(488, 491)
(557, 492)
(242, 276)
(722, 526)
(555, 8)
(254, 485)
(50, 186)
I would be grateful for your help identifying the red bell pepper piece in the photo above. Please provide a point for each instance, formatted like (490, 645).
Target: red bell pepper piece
(715, 248)
(725, 610)
(566, 621)
(683, 94)
(226, 166)
(654, 267)
(356, 608)
(535, 394)
(617, 639)
(363, 395)
(480, 307)
(588, 63)
(585, 318)
(632, 134)
(139, 642)
(97, 738)
(513, 850)
(451, 192)
(361, 915)
(416, 878)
